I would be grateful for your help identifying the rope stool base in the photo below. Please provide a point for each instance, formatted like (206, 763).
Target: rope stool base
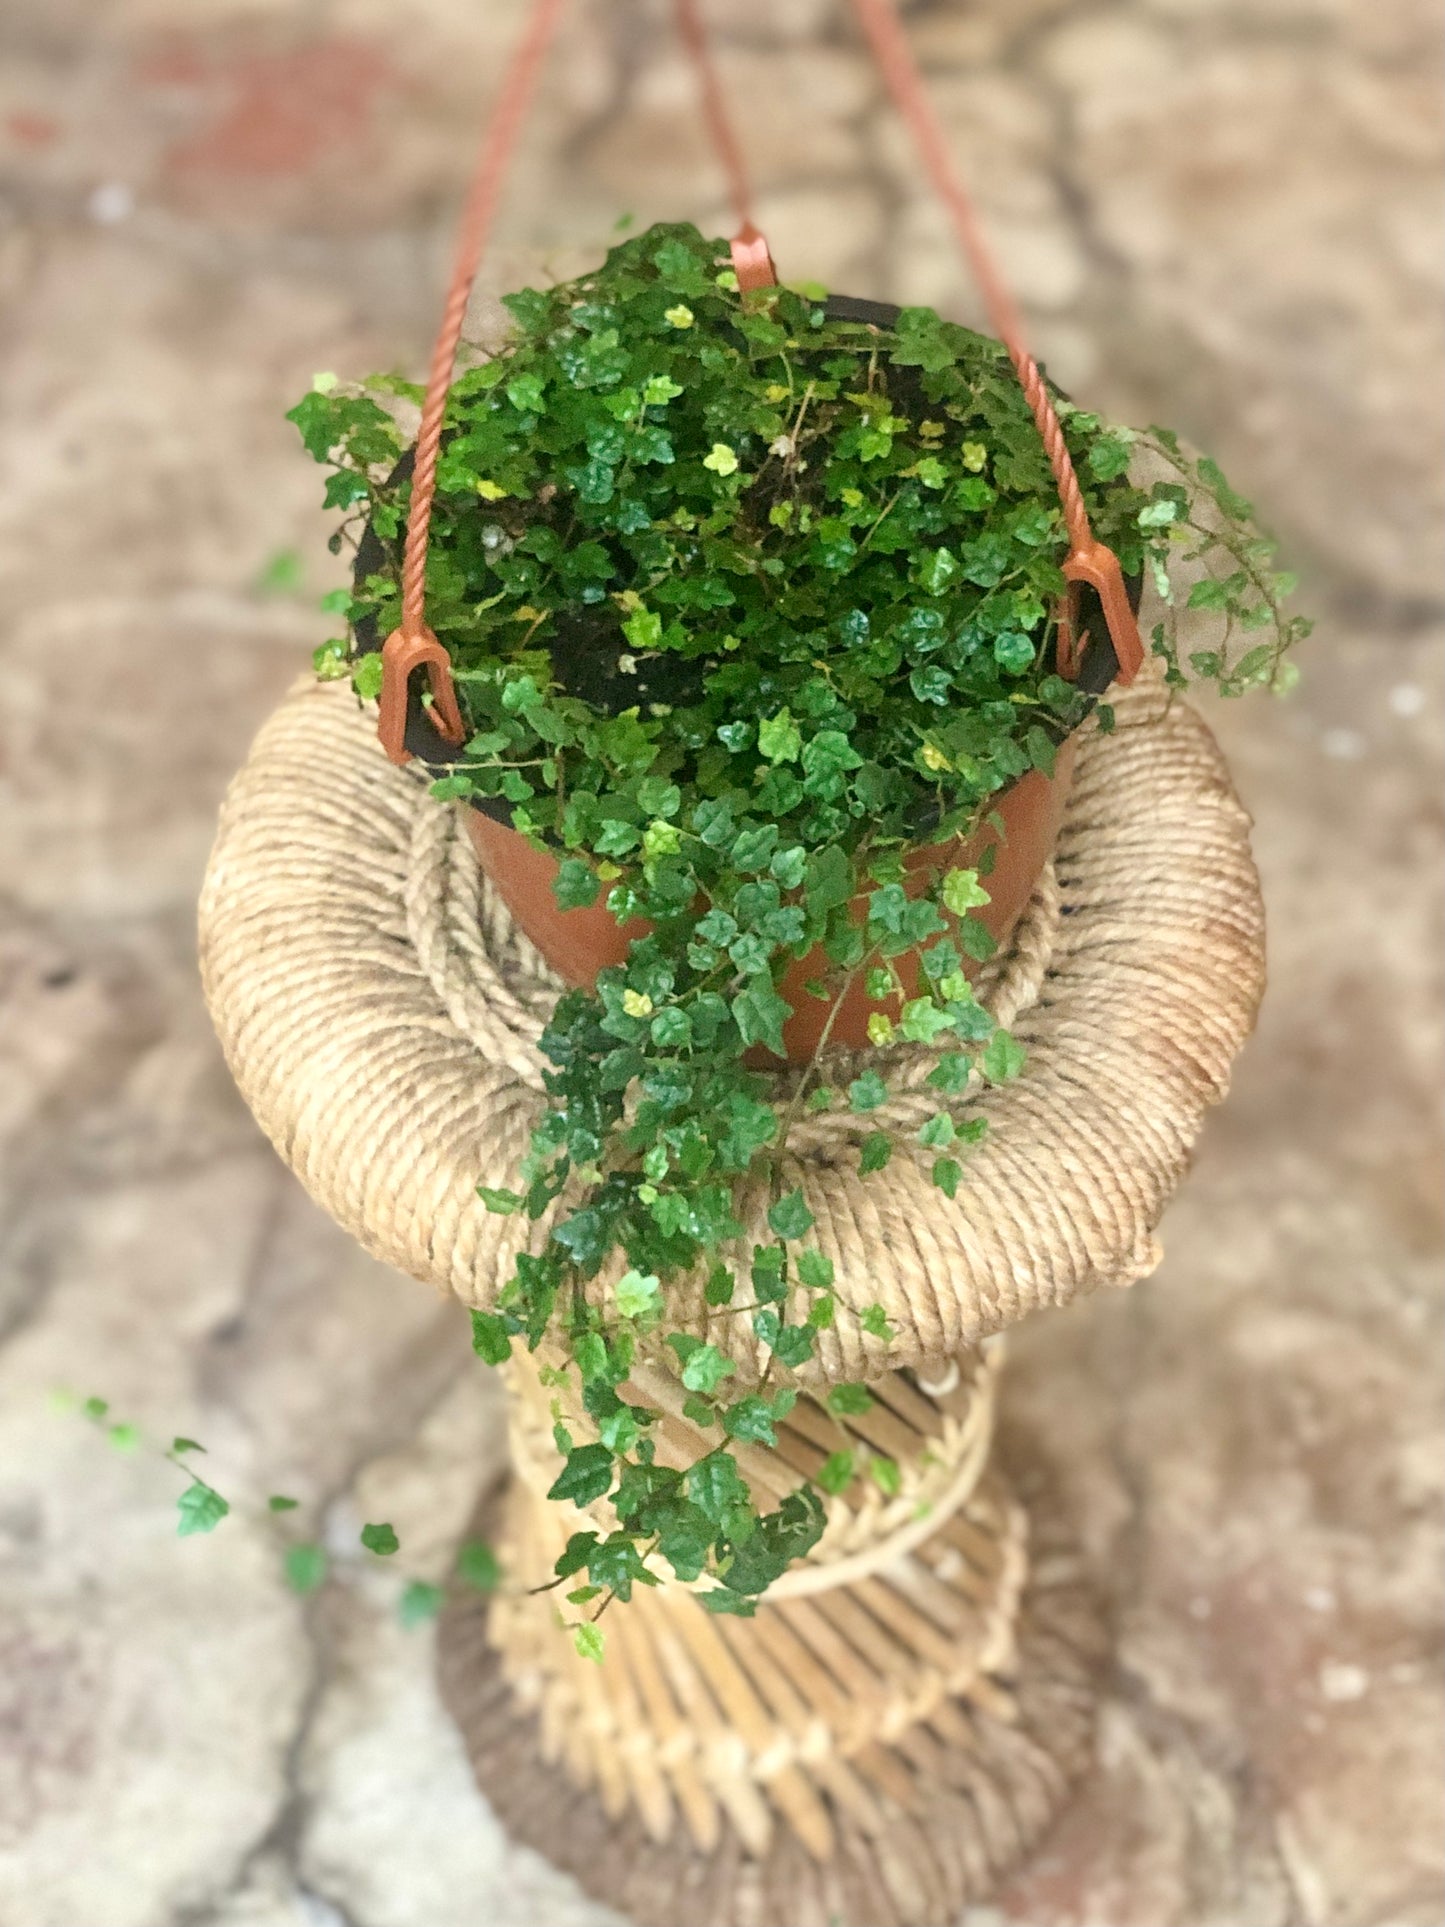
(926, 1818)
(903, 1716)
(888, 1734)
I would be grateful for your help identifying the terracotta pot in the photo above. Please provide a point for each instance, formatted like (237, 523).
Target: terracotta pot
(580, 943)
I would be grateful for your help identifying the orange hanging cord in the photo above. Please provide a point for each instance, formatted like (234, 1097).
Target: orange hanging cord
(1089, 562)
(752, 262)
(413, 645)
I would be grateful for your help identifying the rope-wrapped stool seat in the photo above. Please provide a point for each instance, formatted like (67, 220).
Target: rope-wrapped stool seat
(902, 1718)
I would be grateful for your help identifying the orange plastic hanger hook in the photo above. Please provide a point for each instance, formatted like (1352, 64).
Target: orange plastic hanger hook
(1090, 563)
(752, 261)
(401, 656)
(1097, 567)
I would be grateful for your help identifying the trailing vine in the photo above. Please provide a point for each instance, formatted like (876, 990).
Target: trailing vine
(745, 597)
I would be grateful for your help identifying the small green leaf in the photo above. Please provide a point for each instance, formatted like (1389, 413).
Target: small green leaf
(951, 1073)
(946, 1175)
(874, 1152)
(643, 629)
(760, 1013)
(850, 1401)
(478, 1566)
(790, 1216)
(721, 1600)
(504, 1203)
(886, 1476)
(331, 659)
(638, 1294)
(490, 1338)
(1014, 652)
(1158, 515)
(722, 460)
(305, 1567)
(380, 1539)
(961, 892)
(278, 1502)
(716, 1487)
(706, 1368)
(815, 1270)
(186, 1445)
(283, 573)
(720, 1286)
(419, 1602)
(829, 879)
(835, 1474)
(779, 739)
(366, 676)
(576, 885)
(874, 1321)
(751, 1418)
(1003, 1058)
(452, 789)
(585, 1477)
(589, 1641)
(201, 1509)
(868, 1092)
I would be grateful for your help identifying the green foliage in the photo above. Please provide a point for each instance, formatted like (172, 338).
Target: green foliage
(589, 1641)
(478, 1566)
(305, 1567)
(810, 569)
(201, 1509)
(420, 1601)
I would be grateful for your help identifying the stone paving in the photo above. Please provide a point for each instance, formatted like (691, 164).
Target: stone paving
(1225, 217)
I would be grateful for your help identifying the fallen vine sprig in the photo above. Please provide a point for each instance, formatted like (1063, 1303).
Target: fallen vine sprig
(306, 1565)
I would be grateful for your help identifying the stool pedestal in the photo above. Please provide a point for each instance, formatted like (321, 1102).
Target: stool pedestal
(903, 1716)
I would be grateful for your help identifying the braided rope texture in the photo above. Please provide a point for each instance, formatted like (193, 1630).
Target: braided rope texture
(882, 1746)
(879, 1755)
(380, 1015)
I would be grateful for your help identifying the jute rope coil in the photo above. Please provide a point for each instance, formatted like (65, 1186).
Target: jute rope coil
(381, 1015)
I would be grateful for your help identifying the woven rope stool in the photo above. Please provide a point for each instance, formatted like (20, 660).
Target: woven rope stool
(902, 1719)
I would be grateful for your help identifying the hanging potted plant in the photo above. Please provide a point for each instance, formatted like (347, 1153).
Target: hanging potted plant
(768, 700)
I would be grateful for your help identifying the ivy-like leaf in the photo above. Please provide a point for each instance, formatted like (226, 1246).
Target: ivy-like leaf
(585, 1477)
(790, 1217)
(589, 1641)
(835, 1474)
(305, 1567)
(1003, 1058)
(491, 1339)
(201, 1509)
(874, 1152)
(576, 885)
(420, 1601)
(478, 1566)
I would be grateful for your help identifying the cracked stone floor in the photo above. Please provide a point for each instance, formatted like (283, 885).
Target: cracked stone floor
(1222, 216)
